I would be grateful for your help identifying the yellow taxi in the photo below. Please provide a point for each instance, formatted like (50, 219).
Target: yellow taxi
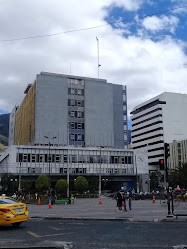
(12, 211)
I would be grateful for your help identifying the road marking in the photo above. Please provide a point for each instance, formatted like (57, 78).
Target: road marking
(55, 228)
(33, 234)
(48, 235)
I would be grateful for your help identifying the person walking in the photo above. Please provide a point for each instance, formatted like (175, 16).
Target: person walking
(130, 198)
(49, 196)
(119, 201)
(124, 201)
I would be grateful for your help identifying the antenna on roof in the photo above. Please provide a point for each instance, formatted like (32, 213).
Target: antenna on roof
(70, 68)
(98, 55)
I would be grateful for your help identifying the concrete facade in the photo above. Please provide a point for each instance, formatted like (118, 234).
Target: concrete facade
(78, 111)
(178, 154)
(157, 121)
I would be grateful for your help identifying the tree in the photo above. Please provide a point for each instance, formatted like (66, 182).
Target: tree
(61, 186)
(178, 176)
(81, 184)
(6, 182)
(26, 185)
(93, 185)
(42, 183)
(154, 181)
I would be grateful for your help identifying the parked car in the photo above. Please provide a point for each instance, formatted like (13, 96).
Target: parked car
(12, 211)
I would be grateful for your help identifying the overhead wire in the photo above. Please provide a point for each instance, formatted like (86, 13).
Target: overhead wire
(94, 27)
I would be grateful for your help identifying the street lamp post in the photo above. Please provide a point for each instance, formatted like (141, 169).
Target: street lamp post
(105, 180)
(13, 180)
(49, 157)
(100, 172)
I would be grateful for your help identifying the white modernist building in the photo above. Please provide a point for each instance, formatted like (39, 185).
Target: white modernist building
(157, 121)
(118, 166)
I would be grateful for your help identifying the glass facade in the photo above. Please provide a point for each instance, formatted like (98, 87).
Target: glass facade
(76, 112)
(87, 161)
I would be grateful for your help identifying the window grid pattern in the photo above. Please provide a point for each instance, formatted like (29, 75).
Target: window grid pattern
(76, 112)
(80, 161)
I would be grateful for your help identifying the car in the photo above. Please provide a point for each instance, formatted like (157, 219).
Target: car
(12, 211)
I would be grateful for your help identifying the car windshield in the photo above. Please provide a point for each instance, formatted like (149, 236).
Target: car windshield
(8, 201)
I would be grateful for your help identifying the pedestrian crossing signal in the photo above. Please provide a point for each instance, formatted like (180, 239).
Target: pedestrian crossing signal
(161, 163)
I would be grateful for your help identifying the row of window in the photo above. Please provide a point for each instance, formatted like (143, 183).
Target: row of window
(44, 158)
(148, 119)
(82, 171)
(145, 107)
(76, 137)
(76, 82)
(146, 126)
(76, 114)
(74, 102)
(147, 132)
(147, 138)
(145, 145)
(147, 113)
(75, 91)
(76, 125)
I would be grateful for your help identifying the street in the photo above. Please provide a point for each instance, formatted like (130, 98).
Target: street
(94, 234)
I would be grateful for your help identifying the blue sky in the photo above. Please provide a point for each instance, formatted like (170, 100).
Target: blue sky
(148, 8)
(147, 55)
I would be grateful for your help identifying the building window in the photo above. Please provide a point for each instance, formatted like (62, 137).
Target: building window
(65, 159)
(79, 137)
(79, 126)
(79, 92)
(79, 103)
(41, 158)
(24, 157)
(57, 158)
(72, 125)
(33, 158)
(72, 102)
(72, 137)
(79, 115)
(72, 114)
(72, 91)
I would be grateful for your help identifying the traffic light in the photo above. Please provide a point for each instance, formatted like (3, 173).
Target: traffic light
(161, 164)
(166, 150)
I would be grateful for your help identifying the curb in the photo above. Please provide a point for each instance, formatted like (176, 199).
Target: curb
(129, 219)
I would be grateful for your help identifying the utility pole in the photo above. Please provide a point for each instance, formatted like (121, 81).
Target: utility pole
(98, 65)
(19, 184)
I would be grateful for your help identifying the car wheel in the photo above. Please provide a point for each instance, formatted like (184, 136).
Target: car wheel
(16, 224)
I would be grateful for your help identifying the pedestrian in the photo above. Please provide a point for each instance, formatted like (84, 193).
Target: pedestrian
(119, 201)
(124, 201)
(49, 195)
(130, 198)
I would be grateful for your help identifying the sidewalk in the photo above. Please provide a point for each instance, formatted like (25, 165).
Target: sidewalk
(142, 210)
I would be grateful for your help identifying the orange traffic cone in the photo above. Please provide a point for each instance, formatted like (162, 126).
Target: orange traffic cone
(39, 203)
(50, 204)
(153, 199)
(100, 202)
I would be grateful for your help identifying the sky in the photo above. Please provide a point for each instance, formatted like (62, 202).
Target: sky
(145, 52)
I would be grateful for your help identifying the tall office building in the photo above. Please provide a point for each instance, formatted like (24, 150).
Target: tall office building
(178, 154)
(157, 121)
(66, 109)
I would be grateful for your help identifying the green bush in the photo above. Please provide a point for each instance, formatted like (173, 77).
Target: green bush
(42, 183)
(81, 184)
(61, 186)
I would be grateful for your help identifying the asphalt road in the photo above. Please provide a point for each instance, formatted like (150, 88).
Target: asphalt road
(83, 234)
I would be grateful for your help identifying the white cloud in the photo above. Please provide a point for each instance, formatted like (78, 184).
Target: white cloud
(130, 5)
(155, 23)
(147, 67)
